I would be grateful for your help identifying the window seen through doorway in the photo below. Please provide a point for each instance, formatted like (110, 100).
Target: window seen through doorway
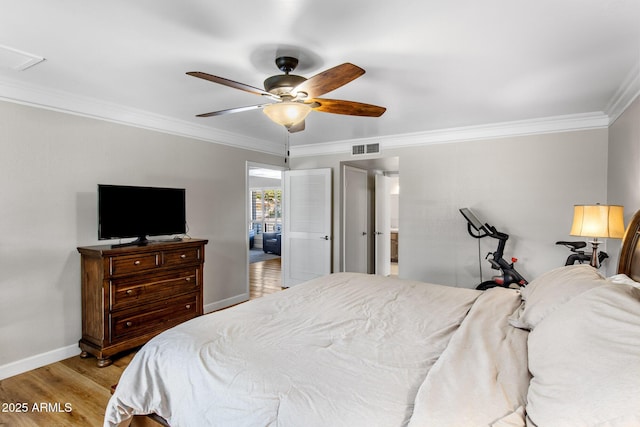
(266, 210)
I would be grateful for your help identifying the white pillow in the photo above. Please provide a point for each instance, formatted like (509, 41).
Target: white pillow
(547, 292)
(623, 279)
(585, 361)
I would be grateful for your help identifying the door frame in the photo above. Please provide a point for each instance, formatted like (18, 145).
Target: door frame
(247, 215)
(386, 165)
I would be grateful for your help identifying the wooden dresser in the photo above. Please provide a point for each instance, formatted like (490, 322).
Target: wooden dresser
(132, 293)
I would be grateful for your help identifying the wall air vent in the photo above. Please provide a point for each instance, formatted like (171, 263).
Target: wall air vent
(357, 150)
(373, 148)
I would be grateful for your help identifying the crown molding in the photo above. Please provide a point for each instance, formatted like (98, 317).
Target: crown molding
(625, 95)
(69, 103)
(567, 123)
(97, 109)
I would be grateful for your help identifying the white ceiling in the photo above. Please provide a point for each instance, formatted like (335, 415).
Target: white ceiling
(435, 64)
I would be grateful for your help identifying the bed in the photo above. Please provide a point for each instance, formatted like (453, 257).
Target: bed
(361, 350)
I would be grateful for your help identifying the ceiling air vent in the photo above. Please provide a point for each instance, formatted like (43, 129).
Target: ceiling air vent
(17, 60)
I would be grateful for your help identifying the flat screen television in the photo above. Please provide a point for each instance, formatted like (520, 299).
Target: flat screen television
(130, 211)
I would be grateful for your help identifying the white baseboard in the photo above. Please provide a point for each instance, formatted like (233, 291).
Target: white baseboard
(37, 361)
(219, 305)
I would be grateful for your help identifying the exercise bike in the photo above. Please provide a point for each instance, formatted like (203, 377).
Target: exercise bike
(509, 274)
(580, 256)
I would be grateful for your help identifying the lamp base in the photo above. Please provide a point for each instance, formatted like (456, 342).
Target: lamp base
(595, 263)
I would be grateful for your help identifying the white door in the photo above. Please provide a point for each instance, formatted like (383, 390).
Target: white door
(355, 227)
(383, 225)
(307, 226)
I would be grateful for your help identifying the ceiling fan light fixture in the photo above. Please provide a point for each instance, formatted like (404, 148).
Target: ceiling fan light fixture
(287, 113)
(295, 96)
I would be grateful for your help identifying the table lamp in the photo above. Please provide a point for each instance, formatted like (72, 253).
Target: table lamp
(597, 221)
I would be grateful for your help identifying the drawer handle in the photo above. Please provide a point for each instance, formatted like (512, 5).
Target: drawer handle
(183, 256)
(188, 279)
(188, 306)
(128, 324)
(136, 262)
(129, 291)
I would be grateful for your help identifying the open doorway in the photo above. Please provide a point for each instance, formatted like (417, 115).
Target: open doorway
(264, 221)
(369, 241)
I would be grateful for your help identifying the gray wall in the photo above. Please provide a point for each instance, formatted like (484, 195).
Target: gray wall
(50, 164)
(623, 179)
(525, 186)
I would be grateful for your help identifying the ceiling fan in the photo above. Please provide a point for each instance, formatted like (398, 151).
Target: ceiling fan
(294, 97)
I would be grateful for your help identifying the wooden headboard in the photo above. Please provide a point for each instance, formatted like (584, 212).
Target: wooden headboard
(630, 253)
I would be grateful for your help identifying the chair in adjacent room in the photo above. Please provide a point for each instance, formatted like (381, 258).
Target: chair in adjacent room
(271, 242)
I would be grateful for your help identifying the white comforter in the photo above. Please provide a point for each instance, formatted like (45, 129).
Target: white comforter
(345, 350)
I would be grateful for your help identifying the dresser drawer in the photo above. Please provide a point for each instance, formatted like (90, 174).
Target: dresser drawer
(155, 318)
(133, 291)
(181, 256)
(119, 265)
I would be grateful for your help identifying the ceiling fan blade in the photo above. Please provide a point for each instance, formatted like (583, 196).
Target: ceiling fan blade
(297, 127)
(329, 80)
(233, 110)
(349, 108)
(231, 83)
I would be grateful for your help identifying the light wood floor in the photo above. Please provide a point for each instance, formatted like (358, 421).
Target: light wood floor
(264, 278)
(74, 392)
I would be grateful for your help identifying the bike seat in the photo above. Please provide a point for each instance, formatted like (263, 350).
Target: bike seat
(574, 245)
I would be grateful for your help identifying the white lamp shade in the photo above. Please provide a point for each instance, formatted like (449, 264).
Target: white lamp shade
(287, 113)
(606, 221)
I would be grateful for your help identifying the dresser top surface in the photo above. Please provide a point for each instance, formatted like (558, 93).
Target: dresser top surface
(152, 245)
